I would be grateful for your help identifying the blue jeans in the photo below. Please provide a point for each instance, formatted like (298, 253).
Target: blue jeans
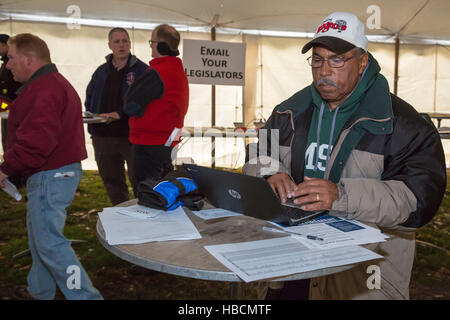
(54, 261)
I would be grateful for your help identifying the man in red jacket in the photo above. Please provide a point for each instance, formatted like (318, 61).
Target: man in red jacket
(157, 103)
(45, 143)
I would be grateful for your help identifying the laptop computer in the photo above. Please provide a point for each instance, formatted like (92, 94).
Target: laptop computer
(248, 195)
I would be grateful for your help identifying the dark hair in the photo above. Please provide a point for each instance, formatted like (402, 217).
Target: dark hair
(29, 43)
(4, 38)
(169, 35)
(117, 29)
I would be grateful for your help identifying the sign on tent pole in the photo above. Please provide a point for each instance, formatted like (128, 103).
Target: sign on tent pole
(215, 63)
(213, 111)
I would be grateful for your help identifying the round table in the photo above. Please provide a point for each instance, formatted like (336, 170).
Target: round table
(189, 258)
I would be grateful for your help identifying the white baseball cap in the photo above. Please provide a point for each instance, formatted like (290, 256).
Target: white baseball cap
(339, 32)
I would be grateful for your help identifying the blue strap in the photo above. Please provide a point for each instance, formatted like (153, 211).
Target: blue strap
(170, 190)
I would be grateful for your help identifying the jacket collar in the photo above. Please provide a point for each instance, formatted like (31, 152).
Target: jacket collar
(159, 60)
(377, 105)
(42, 71)
(132, 60)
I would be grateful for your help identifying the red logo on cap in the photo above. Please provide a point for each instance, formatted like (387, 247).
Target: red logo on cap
(340, 25)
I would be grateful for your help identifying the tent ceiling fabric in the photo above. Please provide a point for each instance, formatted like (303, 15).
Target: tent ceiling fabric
(423, 19)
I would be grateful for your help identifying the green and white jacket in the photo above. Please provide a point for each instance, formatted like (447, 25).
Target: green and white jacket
(389, 166)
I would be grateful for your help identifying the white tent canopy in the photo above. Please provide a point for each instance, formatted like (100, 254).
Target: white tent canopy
(410, 19)
(274, 33)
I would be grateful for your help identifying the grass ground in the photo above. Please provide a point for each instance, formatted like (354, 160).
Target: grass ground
(116, 279)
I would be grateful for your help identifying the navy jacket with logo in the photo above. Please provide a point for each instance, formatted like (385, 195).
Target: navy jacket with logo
(95, 87)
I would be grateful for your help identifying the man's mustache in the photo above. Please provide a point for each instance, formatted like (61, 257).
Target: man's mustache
(326, 81)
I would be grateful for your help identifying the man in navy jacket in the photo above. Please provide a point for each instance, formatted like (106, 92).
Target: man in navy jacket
(104, 95)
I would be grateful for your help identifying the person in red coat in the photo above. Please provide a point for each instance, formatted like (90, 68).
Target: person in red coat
(157, 103)
(45, 144)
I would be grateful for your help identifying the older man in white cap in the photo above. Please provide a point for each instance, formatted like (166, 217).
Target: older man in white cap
(349, 146)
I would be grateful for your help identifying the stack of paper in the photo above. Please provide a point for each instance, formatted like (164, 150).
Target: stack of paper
(138, 211)
(215, 213)
(263, 259)
(137, 224)
(336, 232)
(11, 189)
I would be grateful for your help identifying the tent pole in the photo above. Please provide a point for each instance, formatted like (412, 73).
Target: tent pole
(213, 111)
(132, 41)
(397, 51)
(435, 76)
(10, 27)
(244, 40)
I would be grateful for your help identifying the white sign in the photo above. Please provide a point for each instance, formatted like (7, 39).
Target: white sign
(214, 62)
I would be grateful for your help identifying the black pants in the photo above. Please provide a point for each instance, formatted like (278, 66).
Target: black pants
(150, 162)
(4, 122)
(292, 290)
(111, 153)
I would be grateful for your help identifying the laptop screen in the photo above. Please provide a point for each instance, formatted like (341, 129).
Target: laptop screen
(245, 194)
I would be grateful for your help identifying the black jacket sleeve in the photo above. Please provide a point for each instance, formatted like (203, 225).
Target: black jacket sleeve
(418, 161)
(148, 87)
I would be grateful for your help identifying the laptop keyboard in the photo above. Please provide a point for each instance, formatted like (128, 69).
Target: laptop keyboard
(297, 215)
(290, 203)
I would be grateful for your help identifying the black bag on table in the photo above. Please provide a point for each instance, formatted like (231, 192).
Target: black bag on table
(175, 189)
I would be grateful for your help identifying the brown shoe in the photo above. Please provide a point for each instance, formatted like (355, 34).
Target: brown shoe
(21, 293)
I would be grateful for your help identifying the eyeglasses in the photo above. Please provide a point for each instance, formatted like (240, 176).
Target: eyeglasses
(150, 42)
(333, 62)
